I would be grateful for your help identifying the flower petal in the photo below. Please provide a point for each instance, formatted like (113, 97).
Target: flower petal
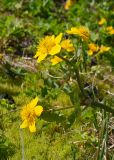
(37, 54)
(67, 45)
(33, 103)
(56, 49)
(56, 60)
(90, 52)
(38, 110)
(24, 124)
(32, 127)
(42, 57)
(73, 30)
(58, 38)
(68, 4)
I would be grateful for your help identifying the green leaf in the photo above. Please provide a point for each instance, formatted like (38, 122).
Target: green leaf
(51, 116)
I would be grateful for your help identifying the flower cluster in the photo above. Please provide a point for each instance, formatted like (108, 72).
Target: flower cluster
(109, 29)
(51, 45)
(94, 48)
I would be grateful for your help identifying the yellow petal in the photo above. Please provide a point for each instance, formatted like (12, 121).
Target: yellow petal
(52, 37)
(104, 49)
(67, 44)
(109, 28)
(58, 38)
(112, 31)
(38, 110)
(37, 54)
(56, 49)
(56, 60)
(90, 52)
(68, 4)
(102, 21)
(42, 57)
(68, 31)
(70, 49)
(32, 127)
(64, 43)
(24, 124)
(73, 30)
(34, 102)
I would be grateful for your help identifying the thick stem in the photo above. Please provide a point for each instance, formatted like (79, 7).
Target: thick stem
(79, 81)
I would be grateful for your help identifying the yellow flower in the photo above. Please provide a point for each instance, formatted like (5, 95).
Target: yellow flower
(29, 113)
(104, 49)
(66, 44)
(48, 45)
(102, 21)
(56, 60)
(92, 48)
(68, 4)
(110, 30)
(83, 32)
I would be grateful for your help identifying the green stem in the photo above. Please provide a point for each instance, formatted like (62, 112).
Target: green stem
(59, 109)
(79, 81)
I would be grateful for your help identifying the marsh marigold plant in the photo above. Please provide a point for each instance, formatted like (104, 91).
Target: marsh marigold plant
(29, 113)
